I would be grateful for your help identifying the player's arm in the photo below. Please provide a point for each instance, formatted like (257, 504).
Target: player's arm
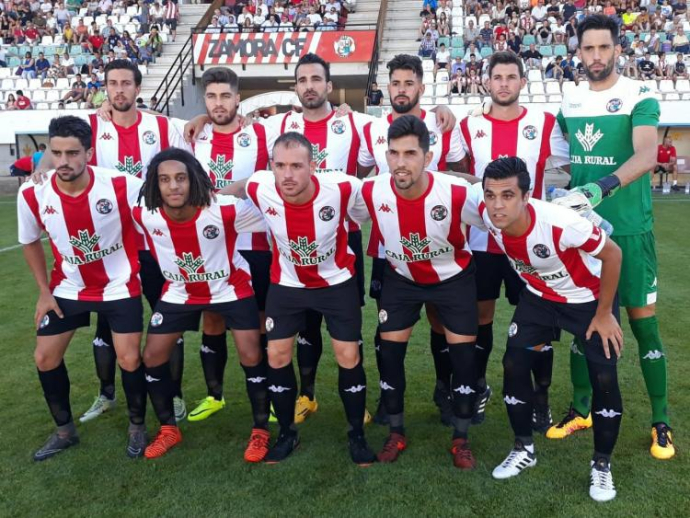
(357, 208)
(195, 126)
(644, 158)
(248, 218)
(445, 118)
(364, 170)
(236, 189)
(604, 322)
(460, 168)
(36, 259)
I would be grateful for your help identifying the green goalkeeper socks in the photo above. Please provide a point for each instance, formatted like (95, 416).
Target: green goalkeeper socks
(579, 376)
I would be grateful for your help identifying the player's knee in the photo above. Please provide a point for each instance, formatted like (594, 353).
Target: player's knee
(347, 357)
(129, 360)
(45, 360)
(153, 357)
(250, 356)
(278, 358)
(213, 324)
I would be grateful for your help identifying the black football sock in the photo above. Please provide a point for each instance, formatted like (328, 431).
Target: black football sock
(263, 342)
(485, 344)
(160, 388)
(542, 368)
(105, 357)
(393, 382)
(56, 386)
(309, 350)
(352, 386)
(214, 357)
(257, 391)
(464, 389)
(442, 366)
(134, 385)
(177, 367)
(607, 406)
(518, 392)
(377, 354)
(282, 385)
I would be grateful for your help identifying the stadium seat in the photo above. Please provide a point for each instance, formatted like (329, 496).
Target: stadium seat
(457, 99)
(442, 100)
(427, 65)
(456, 42)
(536, 88)
(52, 95)
(560, 50)
(21, 84)
(672, 96)
(538, 98)
(8, 84)
(651, 84)
(557, 98)
(4, 72)
(442, 76)
(523, 99)
(429, 89)
(457, 52)
(552, 87)
(125, 18)
(62, 82)
(666, 85)
(486, 52)
(42, 106)
(443, 40)
(484, 18)
(47, 40)
(534, 75)
(546, 50)
(568, 86)
(428, 77)
(72, 106)
(88, 20)
(35, 84)
(473, 99)
(38, 95)
(528, 40)
(683, 85)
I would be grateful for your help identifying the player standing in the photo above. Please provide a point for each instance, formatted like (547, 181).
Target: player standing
(86, 213)
(555, 251)
(193, 237)
(612, 128)
(508, 129)
(419, 216)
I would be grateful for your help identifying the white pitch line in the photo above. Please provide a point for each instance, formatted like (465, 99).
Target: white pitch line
(14, 247)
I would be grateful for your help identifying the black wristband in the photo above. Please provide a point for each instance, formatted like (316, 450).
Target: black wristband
(609, 185)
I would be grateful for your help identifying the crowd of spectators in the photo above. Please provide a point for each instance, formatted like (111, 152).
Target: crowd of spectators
(281, 16)
(653, 35)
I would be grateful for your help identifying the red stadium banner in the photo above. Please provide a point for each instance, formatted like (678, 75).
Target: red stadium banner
(283, 47)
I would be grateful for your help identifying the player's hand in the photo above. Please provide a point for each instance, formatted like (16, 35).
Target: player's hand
(39, 176)
(576, 200)
(46, 303)
(610, 331)
(481, 109)
(245, 121)
(343, 109)
(194, 127)
(105, 111)
(445, 119)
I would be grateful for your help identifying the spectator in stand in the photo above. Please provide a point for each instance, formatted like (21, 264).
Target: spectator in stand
(442, 59)
(553, 10)
(96, 63)
(314, 19)
(81, 32)
(501, 44)
(680, 8)
(553, 70)
(666, 10)
(375, 96)
(36, 157)
(27, 68)
(140, 104)
(270, 25)
(680, 42)
(331, 15)
(474, 83)
(285, 24)
(433, 31)
(653, 41)
(680, 70)
(443, 25)
(424, 27)
(663, 69)
(427, 47)
(473, 64)
(55, 70)
(623, 40)
(569, 69)
(643, 21)
(646, 67)
(486, 36)
(154, 104)
(78, 91)
(457, 67)
(62, 15)
(42, 66)
(544, 36)
(471, 33)
(23, 102)
(498, 12)
(666, 162)
(526, 25)
(248, 25)
(539, 12)
(10, 102)
(31, 34)
(95, 98)
(157, 14)
(156, 41)
(630, 66)
(68, 36)
(514, 43)
(444, 7)
(532, 57)
(67, 64)
(108, 29)
(94, 82)
(629, 18)
(458, 83)
(638, 47)
(172, 16)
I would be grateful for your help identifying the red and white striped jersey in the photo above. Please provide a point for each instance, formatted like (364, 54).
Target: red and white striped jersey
(555, 256)
(310, 241)
(199, 258)
(335, 140)
(447, 147)
(534, 137)
(228, 157)
(130, 150)
(424, 239)
(92, 236)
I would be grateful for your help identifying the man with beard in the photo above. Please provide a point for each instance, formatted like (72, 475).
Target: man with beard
(507, 129)
(405, 88)
(612, 129)
(127, 143)
(228, 153)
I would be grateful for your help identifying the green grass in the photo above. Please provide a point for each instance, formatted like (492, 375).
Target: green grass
(206, 475)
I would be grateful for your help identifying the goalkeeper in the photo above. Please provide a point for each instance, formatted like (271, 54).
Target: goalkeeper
(612, 129)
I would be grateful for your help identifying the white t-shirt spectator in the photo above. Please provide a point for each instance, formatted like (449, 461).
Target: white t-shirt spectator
(315, 18)
(332, 16)
(105, 5)
(270, 25)
(539, 12)
(262, 10)
(46, 7)
(286, 26)
(442, 56)
(258, 19)
(62, 15)
(67, 62)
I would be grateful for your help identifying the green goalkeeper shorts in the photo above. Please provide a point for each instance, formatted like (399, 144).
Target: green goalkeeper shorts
(637, 286)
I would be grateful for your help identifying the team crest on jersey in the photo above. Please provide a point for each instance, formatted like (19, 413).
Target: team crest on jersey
(344, 46)
(104, 206)
(541, 251)
(439, 213)
(383, 316)
(149, 137)
(156, 319)
(244, 140)
(211, 231)
(529, 132)
(326, 213)
(433, 138)
(512, 330)
(338, 127)
(269, 324)
(614, 105)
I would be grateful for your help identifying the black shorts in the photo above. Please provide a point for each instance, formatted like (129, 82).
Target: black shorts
(172, 23)
(494, 270)
(378, 269)
(455, 300)
(15, 171)
(152, 280)
(123, 316)
(354, 241)
(286, 310)
(260, 269)
(537, 321)
(169, 318)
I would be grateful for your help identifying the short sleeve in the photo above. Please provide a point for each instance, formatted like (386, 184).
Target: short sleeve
(646, 113)
(365, 157)
(560, 148)
(471, 214)
(272, 126)
(582, 234)
(560, 119)
(28, 222)
(356, 207)
(175, 135)
(248, 218)
(456, 150)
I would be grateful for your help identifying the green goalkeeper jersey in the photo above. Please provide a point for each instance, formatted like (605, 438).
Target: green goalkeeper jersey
(599, 126)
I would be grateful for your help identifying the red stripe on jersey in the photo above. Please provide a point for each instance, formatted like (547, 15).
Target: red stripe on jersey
(163, 131)
(77, 216)
(574, 263)
(343, 257)
(299, 223)
(136, 214)
(370, 145)
(455, 236)
(284, 121)
(445, 148)
(316, 132)
(465, 129)
(276, 271)
(262, 146)
(593, 242)
(375, 237)
(354, 148)
(93, 120)
(239, 279)
(504, 137)
(222, 144)
(56, 276)
(185, 239)
(412, 220)
(544, 154)
(128, 143)
(129, 234)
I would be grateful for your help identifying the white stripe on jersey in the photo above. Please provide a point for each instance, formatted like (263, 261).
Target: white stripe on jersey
(555, 256)
(423, 239)
(534, 137)
(309, 241)
(92, 235)
(199, 258)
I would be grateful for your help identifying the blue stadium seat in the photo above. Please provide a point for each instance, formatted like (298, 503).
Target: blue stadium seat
(455, 52)
(560, 50)
(445, 40)
(486, 52)
(456, 42)
(528, 40)
(546, 50)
